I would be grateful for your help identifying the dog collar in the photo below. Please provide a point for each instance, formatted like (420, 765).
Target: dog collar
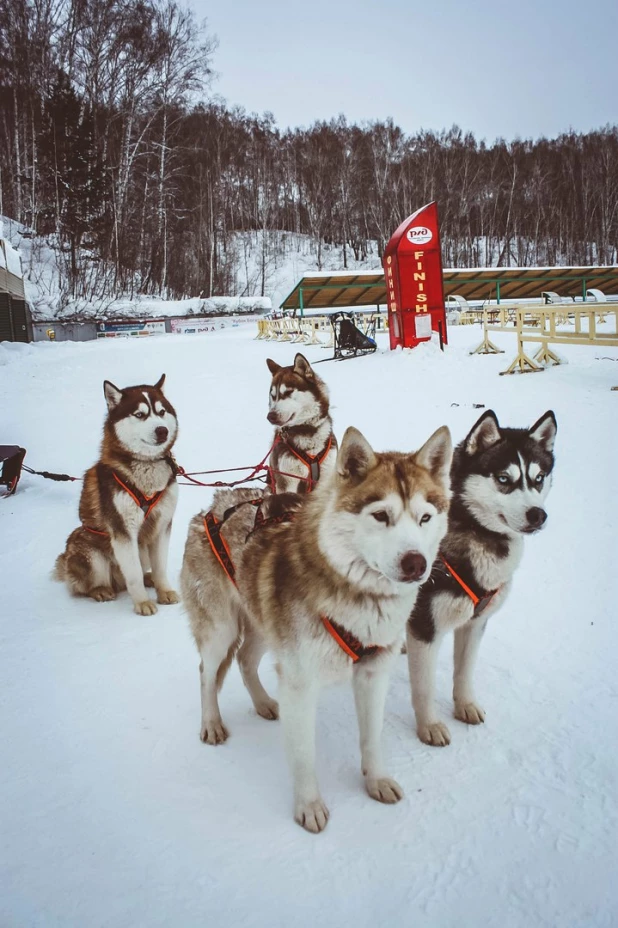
(348, 642)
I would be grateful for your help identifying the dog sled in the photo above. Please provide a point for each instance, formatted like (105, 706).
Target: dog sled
(350, 340)
(11, 461)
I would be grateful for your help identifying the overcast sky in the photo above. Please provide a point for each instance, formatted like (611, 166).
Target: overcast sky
(521, 68)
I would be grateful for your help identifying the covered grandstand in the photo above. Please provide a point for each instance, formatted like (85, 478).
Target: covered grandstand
(355, 289)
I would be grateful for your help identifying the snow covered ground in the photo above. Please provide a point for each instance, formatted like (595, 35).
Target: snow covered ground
(114, 814)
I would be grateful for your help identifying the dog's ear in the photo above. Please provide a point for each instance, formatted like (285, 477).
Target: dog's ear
(112, 394)
(302, 367)
(436, 455)
(356, 457)
(544, 431)
(484, 434)
(160, 382)
(273, 367)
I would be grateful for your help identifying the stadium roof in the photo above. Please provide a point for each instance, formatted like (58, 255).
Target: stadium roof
(342, 289)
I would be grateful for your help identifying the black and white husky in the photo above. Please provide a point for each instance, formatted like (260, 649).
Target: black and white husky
(500, 478)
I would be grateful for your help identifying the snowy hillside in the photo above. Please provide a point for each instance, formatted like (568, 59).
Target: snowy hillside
(113, 812)
(272, 266)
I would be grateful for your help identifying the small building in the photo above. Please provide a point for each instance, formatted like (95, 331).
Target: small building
(15, 322)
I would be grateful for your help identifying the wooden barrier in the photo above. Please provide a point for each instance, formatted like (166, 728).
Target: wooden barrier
(306, 330)
(302, 330)
(495, 319)
(545, 333)
(537, 324)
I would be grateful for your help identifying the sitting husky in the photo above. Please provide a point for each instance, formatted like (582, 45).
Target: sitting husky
(500, 478)
(127, 503)
(304, 440)
(329, 594)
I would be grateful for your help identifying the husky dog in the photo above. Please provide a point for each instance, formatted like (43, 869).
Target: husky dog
(215, 607)
(500, 478)
(127, 503)
(304, 442)
(329, 594)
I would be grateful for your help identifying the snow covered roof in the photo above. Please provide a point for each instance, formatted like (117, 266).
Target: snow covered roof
(11, 277)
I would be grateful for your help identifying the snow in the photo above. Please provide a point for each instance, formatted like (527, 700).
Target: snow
(113, 812)
(150, 307)
(270, 263)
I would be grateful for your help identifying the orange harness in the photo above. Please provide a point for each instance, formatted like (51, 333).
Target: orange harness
(145, 503)
(481, 598)
(348, 642)
(220, 549)
(312, 462)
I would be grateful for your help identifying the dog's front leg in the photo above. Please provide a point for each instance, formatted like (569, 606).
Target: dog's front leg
(158, 550)
(467, 641)
(422, 656)
(298, 700)
(370, 681)
(126, 552)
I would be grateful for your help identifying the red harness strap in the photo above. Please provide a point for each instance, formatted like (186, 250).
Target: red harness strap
(94, 531)
(212, 527)
(480, 599)
(220, 549)
(311, 461)
(145, 503)
(348, 642)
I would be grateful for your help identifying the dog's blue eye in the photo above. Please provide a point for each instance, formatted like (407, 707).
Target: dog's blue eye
(502, 478)
(381, 516)
(138, 415)
(425, 519)
(539, 478)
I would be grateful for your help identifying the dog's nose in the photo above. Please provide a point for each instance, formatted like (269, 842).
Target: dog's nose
(412, 567)
(161, 433)
(272, 417)
(536, 516)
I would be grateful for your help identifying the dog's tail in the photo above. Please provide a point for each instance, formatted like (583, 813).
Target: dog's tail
(59, 572)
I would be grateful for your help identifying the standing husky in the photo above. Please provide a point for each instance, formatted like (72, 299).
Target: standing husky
(127, 503)
(329, 595)
(304, 440)
(211, 597)
(500, 478)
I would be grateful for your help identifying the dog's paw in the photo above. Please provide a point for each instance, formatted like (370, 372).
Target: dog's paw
(214, 732)
(469, 712)
(145, 608)
(268, 709)
(313, 816)
(435, 733)
(384, 789)
(167, 597)
(148, 581)
(102, 594)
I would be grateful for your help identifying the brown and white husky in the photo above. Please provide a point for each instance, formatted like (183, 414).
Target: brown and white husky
(127, 503)
(329, 593)
(298, 407)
